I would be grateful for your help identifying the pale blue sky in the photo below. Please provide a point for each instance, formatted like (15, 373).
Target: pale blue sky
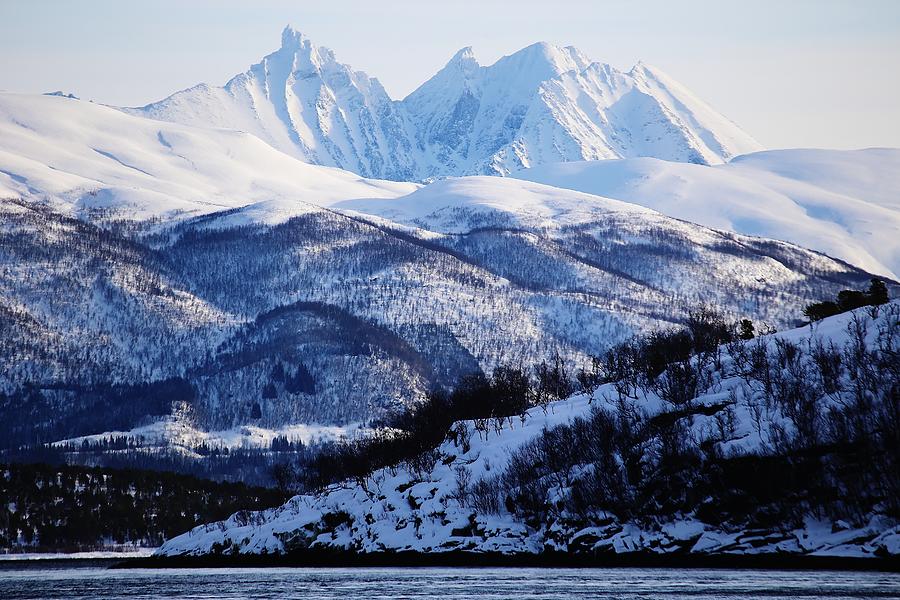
(821, 73)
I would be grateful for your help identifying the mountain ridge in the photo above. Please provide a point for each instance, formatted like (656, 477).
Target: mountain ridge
(541, 104)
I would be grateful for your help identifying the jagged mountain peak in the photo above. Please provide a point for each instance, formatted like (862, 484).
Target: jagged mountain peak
(464, 56)
(537, 61)
(463, 66)
(301, 100)
(305, 57)
(292, 38)
(541, 104)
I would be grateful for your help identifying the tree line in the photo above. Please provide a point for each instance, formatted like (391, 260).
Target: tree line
(73, 508)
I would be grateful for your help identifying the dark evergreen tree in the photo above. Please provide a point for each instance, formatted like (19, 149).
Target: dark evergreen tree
(256, 410)
(878, 292)
(747, 331)
(301, 382)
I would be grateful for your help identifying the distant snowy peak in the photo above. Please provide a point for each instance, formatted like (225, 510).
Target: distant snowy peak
(303, 102)
(541, 104)
(469, 117)
(547, 104)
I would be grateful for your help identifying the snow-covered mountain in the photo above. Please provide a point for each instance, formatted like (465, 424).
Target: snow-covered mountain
(303, 102)
(161, 262)
(564, 479)
(841, 202)
(545, 104)
(541, 104)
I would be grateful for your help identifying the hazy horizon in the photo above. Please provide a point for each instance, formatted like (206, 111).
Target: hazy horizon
(809, 74)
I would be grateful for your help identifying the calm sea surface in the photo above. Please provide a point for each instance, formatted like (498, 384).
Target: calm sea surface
(59, 580)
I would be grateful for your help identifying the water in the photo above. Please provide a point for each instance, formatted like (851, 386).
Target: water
(62, 580)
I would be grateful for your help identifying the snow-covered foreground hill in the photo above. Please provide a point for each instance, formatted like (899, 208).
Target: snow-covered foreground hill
(534, 484)
(541, 104)
(843, 203)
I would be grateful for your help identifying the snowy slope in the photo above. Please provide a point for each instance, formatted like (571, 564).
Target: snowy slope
(843, 203)
(401, 509)
(96, 161)
(459, 205)
(540, 104)
(542, 238)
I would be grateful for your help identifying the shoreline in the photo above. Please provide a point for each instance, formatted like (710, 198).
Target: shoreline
(80, 555)
(325, 559)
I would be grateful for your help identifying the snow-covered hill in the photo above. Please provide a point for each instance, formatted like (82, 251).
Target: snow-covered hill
(478, 490)
(541, 104)
(463, 204)
(843, 203)
(95, 162)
